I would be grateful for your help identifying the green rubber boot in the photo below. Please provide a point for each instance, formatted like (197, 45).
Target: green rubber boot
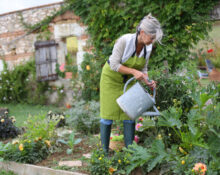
(129, 129)
(105, 136)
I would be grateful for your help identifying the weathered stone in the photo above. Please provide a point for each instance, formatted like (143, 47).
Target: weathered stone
(76, 163)
(88, 156)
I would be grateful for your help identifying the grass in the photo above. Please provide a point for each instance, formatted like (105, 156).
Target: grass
(2, 172)
(22, 111)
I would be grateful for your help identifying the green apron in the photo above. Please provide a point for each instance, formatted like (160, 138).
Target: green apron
(111, 87)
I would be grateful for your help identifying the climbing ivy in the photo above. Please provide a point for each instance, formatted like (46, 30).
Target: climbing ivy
(184, 23)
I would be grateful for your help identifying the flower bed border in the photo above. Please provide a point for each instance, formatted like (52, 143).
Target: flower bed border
(26, 169)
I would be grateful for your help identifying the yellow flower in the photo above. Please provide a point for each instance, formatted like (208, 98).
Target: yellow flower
(159, 136)
(2, 120)
(119, 161)
(47, 143)
(158, 107)
(15, 142)
(87, 67)
(111, 170)
(182, 150)
(100, 158)
(183, 162)
(21, 147)
(13, 120)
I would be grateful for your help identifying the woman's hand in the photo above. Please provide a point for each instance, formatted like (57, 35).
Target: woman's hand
(150, 83)
(138, 74)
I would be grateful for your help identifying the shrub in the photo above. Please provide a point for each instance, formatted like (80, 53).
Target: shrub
(27, 151)
(59, 118)
(20, 85)
(84, 116)
(39, 126)
(7, 127)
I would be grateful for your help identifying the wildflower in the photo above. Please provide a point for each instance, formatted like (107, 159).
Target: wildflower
(14, 142)
(183, 162)
(138, 125)
(141, 119)
(49, 112)
(62, 67)
(61, 117)
(87, 67)
(169, 134)
(110, 138)
(174, 100)
(21, 147)
(158, 107)
(13, 120)
(210, 50)
(159, 136)
(100, 158)
(61, 91)
(119, 161)
(2, 120)
(6, 112)
(68, 106)
(200, 168)
(111, 170)
(47, 143)
(136, 139)
(182, 150)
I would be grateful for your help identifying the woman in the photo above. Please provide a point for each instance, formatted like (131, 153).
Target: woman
(129, 58)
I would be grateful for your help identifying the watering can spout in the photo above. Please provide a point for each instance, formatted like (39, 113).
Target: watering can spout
(156, 113)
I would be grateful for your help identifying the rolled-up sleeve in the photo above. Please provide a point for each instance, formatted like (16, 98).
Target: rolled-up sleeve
(144, 70)
(117, 53)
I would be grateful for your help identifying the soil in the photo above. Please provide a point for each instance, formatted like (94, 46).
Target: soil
(83, 147)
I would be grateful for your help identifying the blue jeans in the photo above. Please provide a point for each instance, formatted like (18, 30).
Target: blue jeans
(109, 122)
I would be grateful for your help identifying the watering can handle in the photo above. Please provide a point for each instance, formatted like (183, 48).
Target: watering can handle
(133, 78)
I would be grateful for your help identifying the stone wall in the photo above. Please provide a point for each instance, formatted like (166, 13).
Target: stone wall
(16, 46)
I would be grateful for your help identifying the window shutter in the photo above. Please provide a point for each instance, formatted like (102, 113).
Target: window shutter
(46, 59)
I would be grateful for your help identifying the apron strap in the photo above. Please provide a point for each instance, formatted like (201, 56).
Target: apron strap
(145, 51)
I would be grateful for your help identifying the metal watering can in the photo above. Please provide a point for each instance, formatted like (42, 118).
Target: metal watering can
(136, 101)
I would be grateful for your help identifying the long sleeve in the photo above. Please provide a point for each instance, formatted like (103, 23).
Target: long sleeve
(117, 53)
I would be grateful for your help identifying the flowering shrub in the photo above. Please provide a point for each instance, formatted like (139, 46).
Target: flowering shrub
(7, 127)
(100, 164)
(26, 151)
(59, 118)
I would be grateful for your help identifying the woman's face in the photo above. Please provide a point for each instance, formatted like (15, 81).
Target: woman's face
(146, 39)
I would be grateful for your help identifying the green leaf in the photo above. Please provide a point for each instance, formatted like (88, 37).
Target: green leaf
(69, 151)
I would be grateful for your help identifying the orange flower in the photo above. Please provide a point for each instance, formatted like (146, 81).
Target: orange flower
(21, 147)
(47, 143)
(111, 170)
(68, 106)
(200, 168)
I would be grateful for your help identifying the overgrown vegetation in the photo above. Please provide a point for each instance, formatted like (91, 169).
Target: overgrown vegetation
(184, 24)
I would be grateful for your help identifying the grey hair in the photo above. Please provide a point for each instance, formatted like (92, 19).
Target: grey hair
(150, 25)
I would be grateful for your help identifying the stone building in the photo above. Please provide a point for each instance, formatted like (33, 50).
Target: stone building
(18, 46)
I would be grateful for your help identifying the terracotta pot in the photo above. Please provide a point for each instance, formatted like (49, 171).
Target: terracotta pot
(68, 75)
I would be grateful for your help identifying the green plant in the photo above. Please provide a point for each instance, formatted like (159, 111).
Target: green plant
(3, 172)
(70, 143)
(26, 151)
(100, 164)
(20, 85)
(7, 127)
(184, 24)
(58, 117)
(84, 116)
(39, 126)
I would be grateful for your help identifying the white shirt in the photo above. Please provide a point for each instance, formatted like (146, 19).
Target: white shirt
(123, 50)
